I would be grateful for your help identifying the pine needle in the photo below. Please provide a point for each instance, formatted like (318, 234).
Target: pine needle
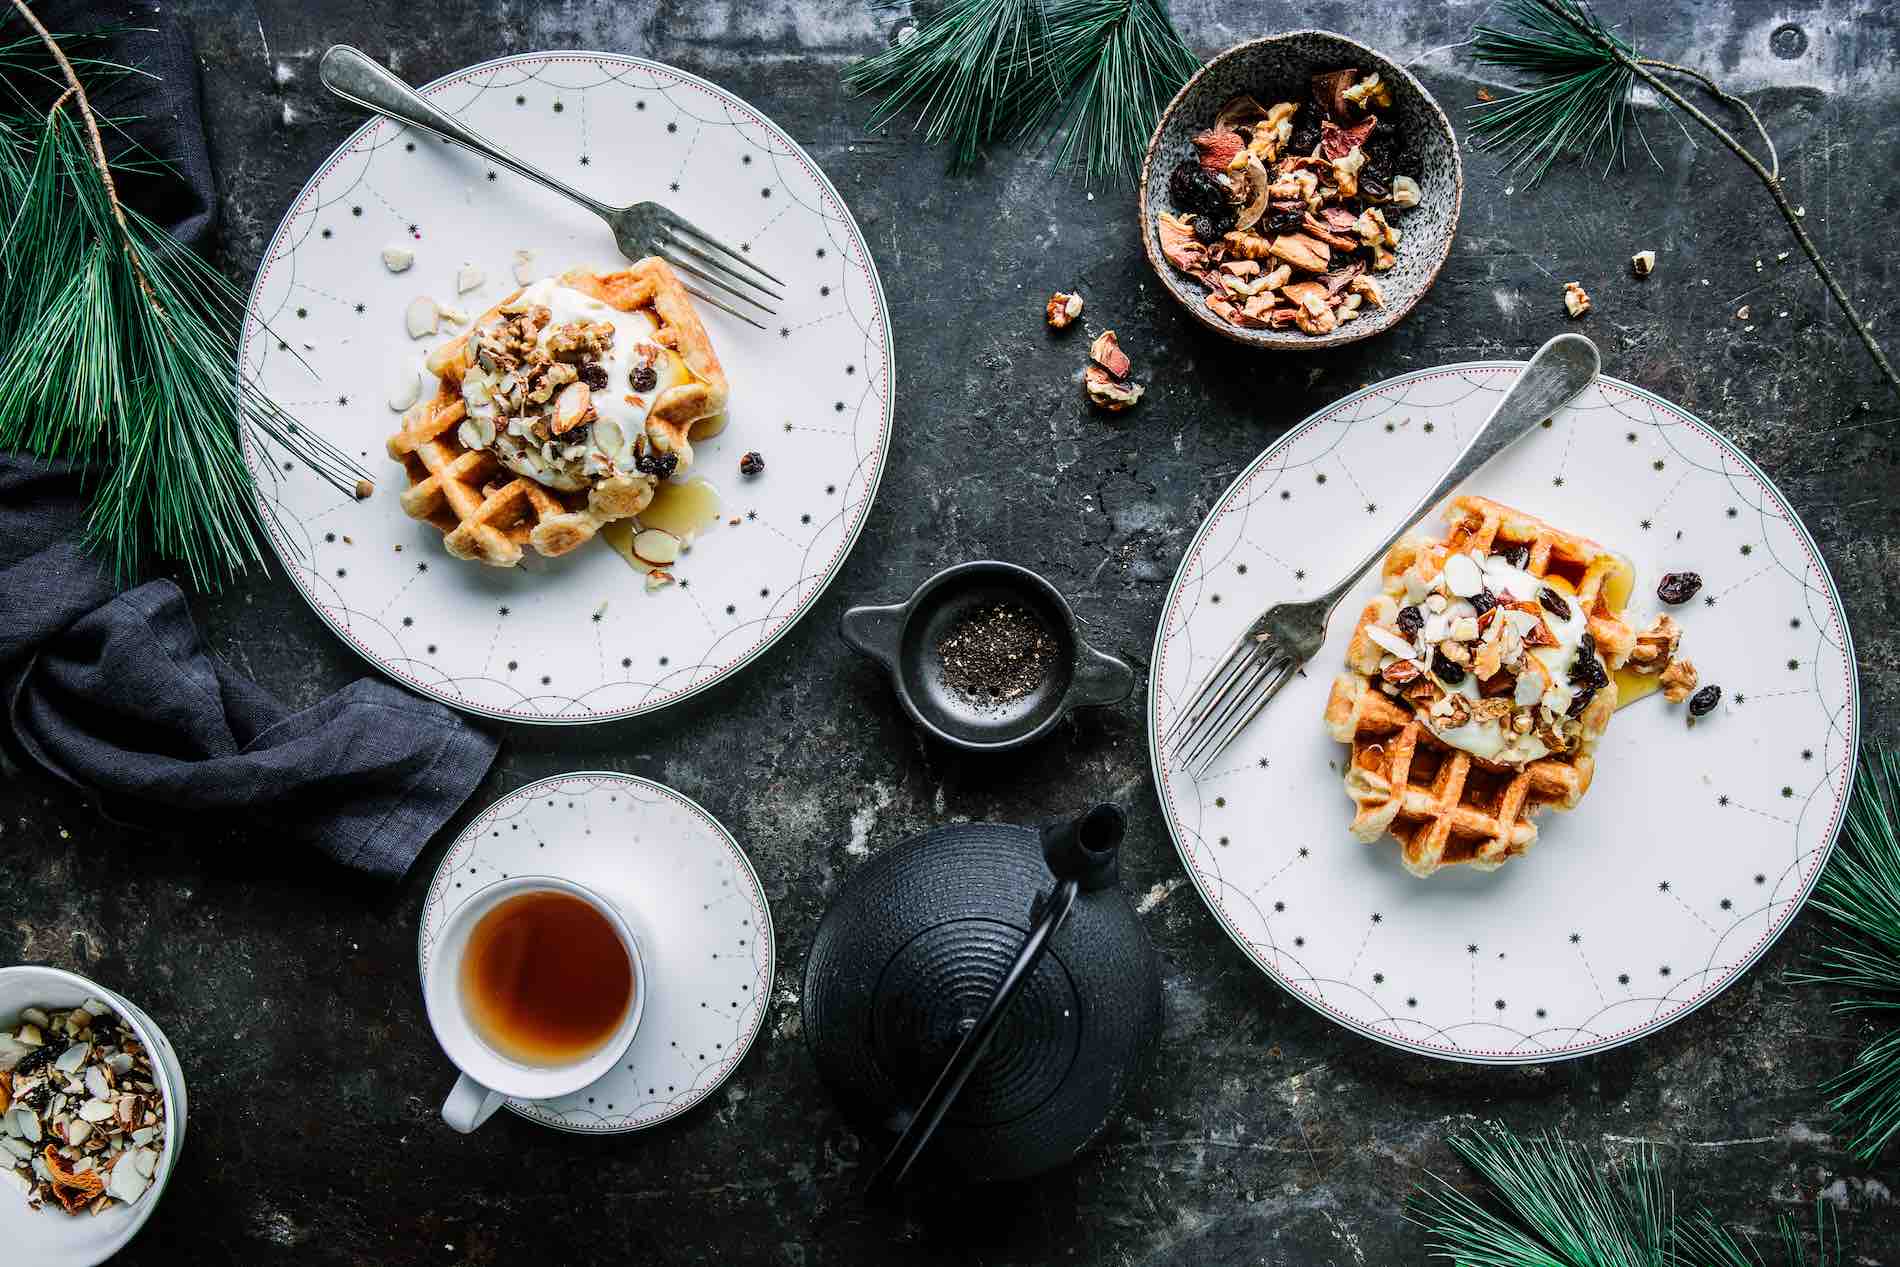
(1860, 891)
(1117, 64)
(119, 346)
(1578, 103)
(965, 73)
(1549, 1203)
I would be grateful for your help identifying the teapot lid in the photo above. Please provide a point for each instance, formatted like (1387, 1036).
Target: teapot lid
(906, 961)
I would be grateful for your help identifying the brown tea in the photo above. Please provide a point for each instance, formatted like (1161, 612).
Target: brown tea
(546, 980)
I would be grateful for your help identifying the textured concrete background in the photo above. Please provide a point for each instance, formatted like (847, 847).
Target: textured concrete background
(1266, 1135)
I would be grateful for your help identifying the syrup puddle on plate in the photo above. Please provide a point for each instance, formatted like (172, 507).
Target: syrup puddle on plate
(685, 510)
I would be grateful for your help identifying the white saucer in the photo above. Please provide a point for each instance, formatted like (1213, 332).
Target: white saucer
(692, 899)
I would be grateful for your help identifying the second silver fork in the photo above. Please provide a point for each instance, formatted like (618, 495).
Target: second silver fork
(642, 229)
(1285, 636)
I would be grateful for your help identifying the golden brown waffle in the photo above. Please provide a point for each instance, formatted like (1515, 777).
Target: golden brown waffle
(489, 513)
(1444, 805)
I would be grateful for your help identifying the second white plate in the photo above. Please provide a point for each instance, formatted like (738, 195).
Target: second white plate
(1694, 847)
(575, 639)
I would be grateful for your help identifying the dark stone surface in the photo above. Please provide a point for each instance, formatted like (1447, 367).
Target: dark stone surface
(1266, 1135)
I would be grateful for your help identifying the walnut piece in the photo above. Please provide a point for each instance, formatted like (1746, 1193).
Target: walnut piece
(1106, 392)
(1063, 309)
(1107, 353)
(1656, 645)
(1678, 681)
(1576, 302)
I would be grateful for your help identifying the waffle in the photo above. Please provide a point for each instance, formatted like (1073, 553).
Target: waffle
(489, 512)
(1444, 804)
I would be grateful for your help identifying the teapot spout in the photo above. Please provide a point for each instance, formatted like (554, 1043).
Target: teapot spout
(1086, 848)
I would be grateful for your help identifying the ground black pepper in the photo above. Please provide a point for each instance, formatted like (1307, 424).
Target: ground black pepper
(996, 653)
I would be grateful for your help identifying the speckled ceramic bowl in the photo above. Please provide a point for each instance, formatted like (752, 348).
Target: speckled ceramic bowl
(1278, 68)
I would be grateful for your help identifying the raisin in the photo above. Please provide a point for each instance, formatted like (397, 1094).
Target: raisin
(1283, 220)
(1587, 670)
(595, 376)
(1446, 672)
(1193, 188)
(644, 378)
(39, 1056)
(1580, 701)
(658, 465)
(1411, 620)
(1678, 587)
(1483, 601)
(1704, 701)
(1374, 182)
(1204, 231)
(1553, 602)
(1305, 136)
(751, 464)
(577, 435)
(1518, 556)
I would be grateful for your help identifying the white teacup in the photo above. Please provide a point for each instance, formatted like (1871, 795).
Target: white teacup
(488, 1076)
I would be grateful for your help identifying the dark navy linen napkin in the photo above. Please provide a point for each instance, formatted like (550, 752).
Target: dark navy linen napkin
(116, 693)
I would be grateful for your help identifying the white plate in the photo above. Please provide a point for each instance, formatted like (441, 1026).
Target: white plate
(1694, 847)
(691, 897)
(49, 1234)
(575, 639)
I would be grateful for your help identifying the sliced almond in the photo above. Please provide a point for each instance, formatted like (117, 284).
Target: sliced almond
(467, 278)
(656, 546)
(422, 317)
(574, 407)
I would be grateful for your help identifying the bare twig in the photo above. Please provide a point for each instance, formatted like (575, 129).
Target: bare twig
(77, 91)
(1771, 179)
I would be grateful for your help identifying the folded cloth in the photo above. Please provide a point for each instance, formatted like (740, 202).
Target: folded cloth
(117, 694)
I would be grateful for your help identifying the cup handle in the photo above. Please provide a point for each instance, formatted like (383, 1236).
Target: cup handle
(1099, 678)
(874, 631)
(469, 1104)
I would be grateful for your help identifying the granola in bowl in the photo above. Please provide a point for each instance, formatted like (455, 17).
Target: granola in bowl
(1287, 213)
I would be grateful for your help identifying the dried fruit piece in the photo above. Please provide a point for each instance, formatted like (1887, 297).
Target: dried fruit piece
(1447, 672)
(1553, 602)
(1411, 620)
(1678, 587)
(1063, 309)
(1703, 702)
(1218, 146)
(751, 463)
(1576, 302)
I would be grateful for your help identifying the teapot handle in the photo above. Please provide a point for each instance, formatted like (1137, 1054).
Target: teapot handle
(943, 1092)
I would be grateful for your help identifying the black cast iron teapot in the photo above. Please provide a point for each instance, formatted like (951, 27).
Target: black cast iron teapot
(986, 990)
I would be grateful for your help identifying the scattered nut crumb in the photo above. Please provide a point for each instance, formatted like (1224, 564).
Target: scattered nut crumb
(524, 266)
(397, 259)
(1063, 309)
(1643, 263)
(1741, 313)
(1105, 380)
(1576, 302)
(422, 317)
(467, 278)
(1678, 681)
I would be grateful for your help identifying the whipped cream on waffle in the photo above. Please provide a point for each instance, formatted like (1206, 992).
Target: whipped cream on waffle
(636, 369)
(1497, 614)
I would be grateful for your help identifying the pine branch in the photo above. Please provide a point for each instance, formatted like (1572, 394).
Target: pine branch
(119, 347)
(1581, 105)
(1860, 892)
(1547, 1202)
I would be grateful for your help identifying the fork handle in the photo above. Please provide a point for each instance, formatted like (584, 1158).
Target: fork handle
(1556, 373)
(354, 76)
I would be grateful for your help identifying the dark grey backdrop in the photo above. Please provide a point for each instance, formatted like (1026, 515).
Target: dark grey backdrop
(1267, 1135)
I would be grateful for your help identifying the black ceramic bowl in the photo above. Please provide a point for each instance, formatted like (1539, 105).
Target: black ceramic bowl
(904, 638)
(1278, 68)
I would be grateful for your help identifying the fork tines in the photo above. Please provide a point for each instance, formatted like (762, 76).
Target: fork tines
(1251, 674)
(676, 248)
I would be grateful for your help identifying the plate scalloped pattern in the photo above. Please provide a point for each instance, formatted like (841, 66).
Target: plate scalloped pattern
(1695, 846)
(693, 900)
(575, 639)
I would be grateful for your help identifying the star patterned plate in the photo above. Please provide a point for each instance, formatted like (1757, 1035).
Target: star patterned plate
(575, 639)
(691, 897)
(1694, 847)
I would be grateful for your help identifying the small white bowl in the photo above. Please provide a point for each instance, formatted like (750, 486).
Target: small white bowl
(49, 1234)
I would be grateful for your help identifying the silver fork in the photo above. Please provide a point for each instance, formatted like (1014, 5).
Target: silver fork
(645, 228)
(1285, 636)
